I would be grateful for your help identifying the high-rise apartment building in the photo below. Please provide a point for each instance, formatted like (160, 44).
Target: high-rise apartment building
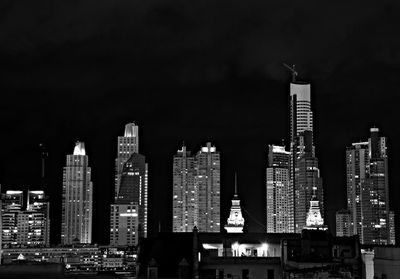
(279, 194)
(25, 219)
(368, 190)
(129, 212)
(207, 182)
(77, 201)
(305, 179)
(196, 190)
(184, 201)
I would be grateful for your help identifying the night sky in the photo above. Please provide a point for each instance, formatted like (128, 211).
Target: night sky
(193, 71)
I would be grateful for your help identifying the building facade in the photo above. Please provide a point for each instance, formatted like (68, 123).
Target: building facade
(304, 171)
(77, 201)
(279, 199)
(184, 205)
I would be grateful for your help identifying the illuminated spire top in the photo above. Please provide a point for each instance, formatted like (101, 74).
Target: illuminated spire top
(131, 130)
(79, 148)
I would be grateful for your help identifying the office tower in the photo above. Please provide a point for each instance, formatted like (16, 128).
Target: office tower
(127, 145)
(305, 180)
(235, 222)
(343, 223)
(184, 205)
(368, 190)
(279, 200)
(25, 222)
(131, 203)
(77, 200)
(207, 182)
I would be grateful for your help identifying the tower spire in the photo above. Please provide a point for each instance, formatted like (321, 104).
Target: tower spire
(235, 183)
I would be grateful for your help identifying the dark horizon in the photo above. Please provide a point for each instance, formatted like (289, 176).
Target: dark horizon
(196, 72)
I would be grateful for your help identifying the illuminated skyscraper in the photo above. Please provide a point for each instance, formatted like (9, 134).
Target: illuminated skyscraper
(279, 194)
(77, 202)
(368, 190)
(184, 205)
(305, 180)
(127, 145)
(25, 222)
(207, 182)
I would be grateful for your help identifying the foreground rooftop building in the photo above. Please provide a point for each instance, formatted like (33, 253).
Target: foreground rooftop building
(312, 254)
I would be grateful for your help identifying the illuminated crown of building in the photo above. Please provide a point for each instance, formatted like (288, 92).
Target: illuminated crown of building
(131, 130)
(79, 148)
(314, 217)
(235, 222)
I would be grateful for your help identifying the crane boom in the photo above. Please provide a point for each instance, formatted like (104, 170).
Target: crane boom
(293, 70)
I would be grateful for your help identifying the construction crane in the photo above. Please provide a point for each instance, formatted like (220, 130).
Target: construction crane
(293, 70)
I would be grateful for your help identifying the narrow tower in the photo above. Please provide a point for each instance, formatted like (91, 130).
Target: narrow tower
(184, 199)
(235, 222)
(304, 172)
(207, 182)
(77, 202)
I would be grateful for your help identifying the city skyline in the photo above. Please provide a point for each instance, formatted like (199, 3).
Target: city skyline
(83, 70)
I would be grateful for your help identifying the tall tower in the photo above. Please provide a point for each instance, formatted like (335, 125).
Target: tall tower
(127, 145)
(235, 222)
(375, 210)
(207, 181)
(368, 191)
(279, 193)
(357, 165)
(184, 200)
(77, 202)
(304, 172)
